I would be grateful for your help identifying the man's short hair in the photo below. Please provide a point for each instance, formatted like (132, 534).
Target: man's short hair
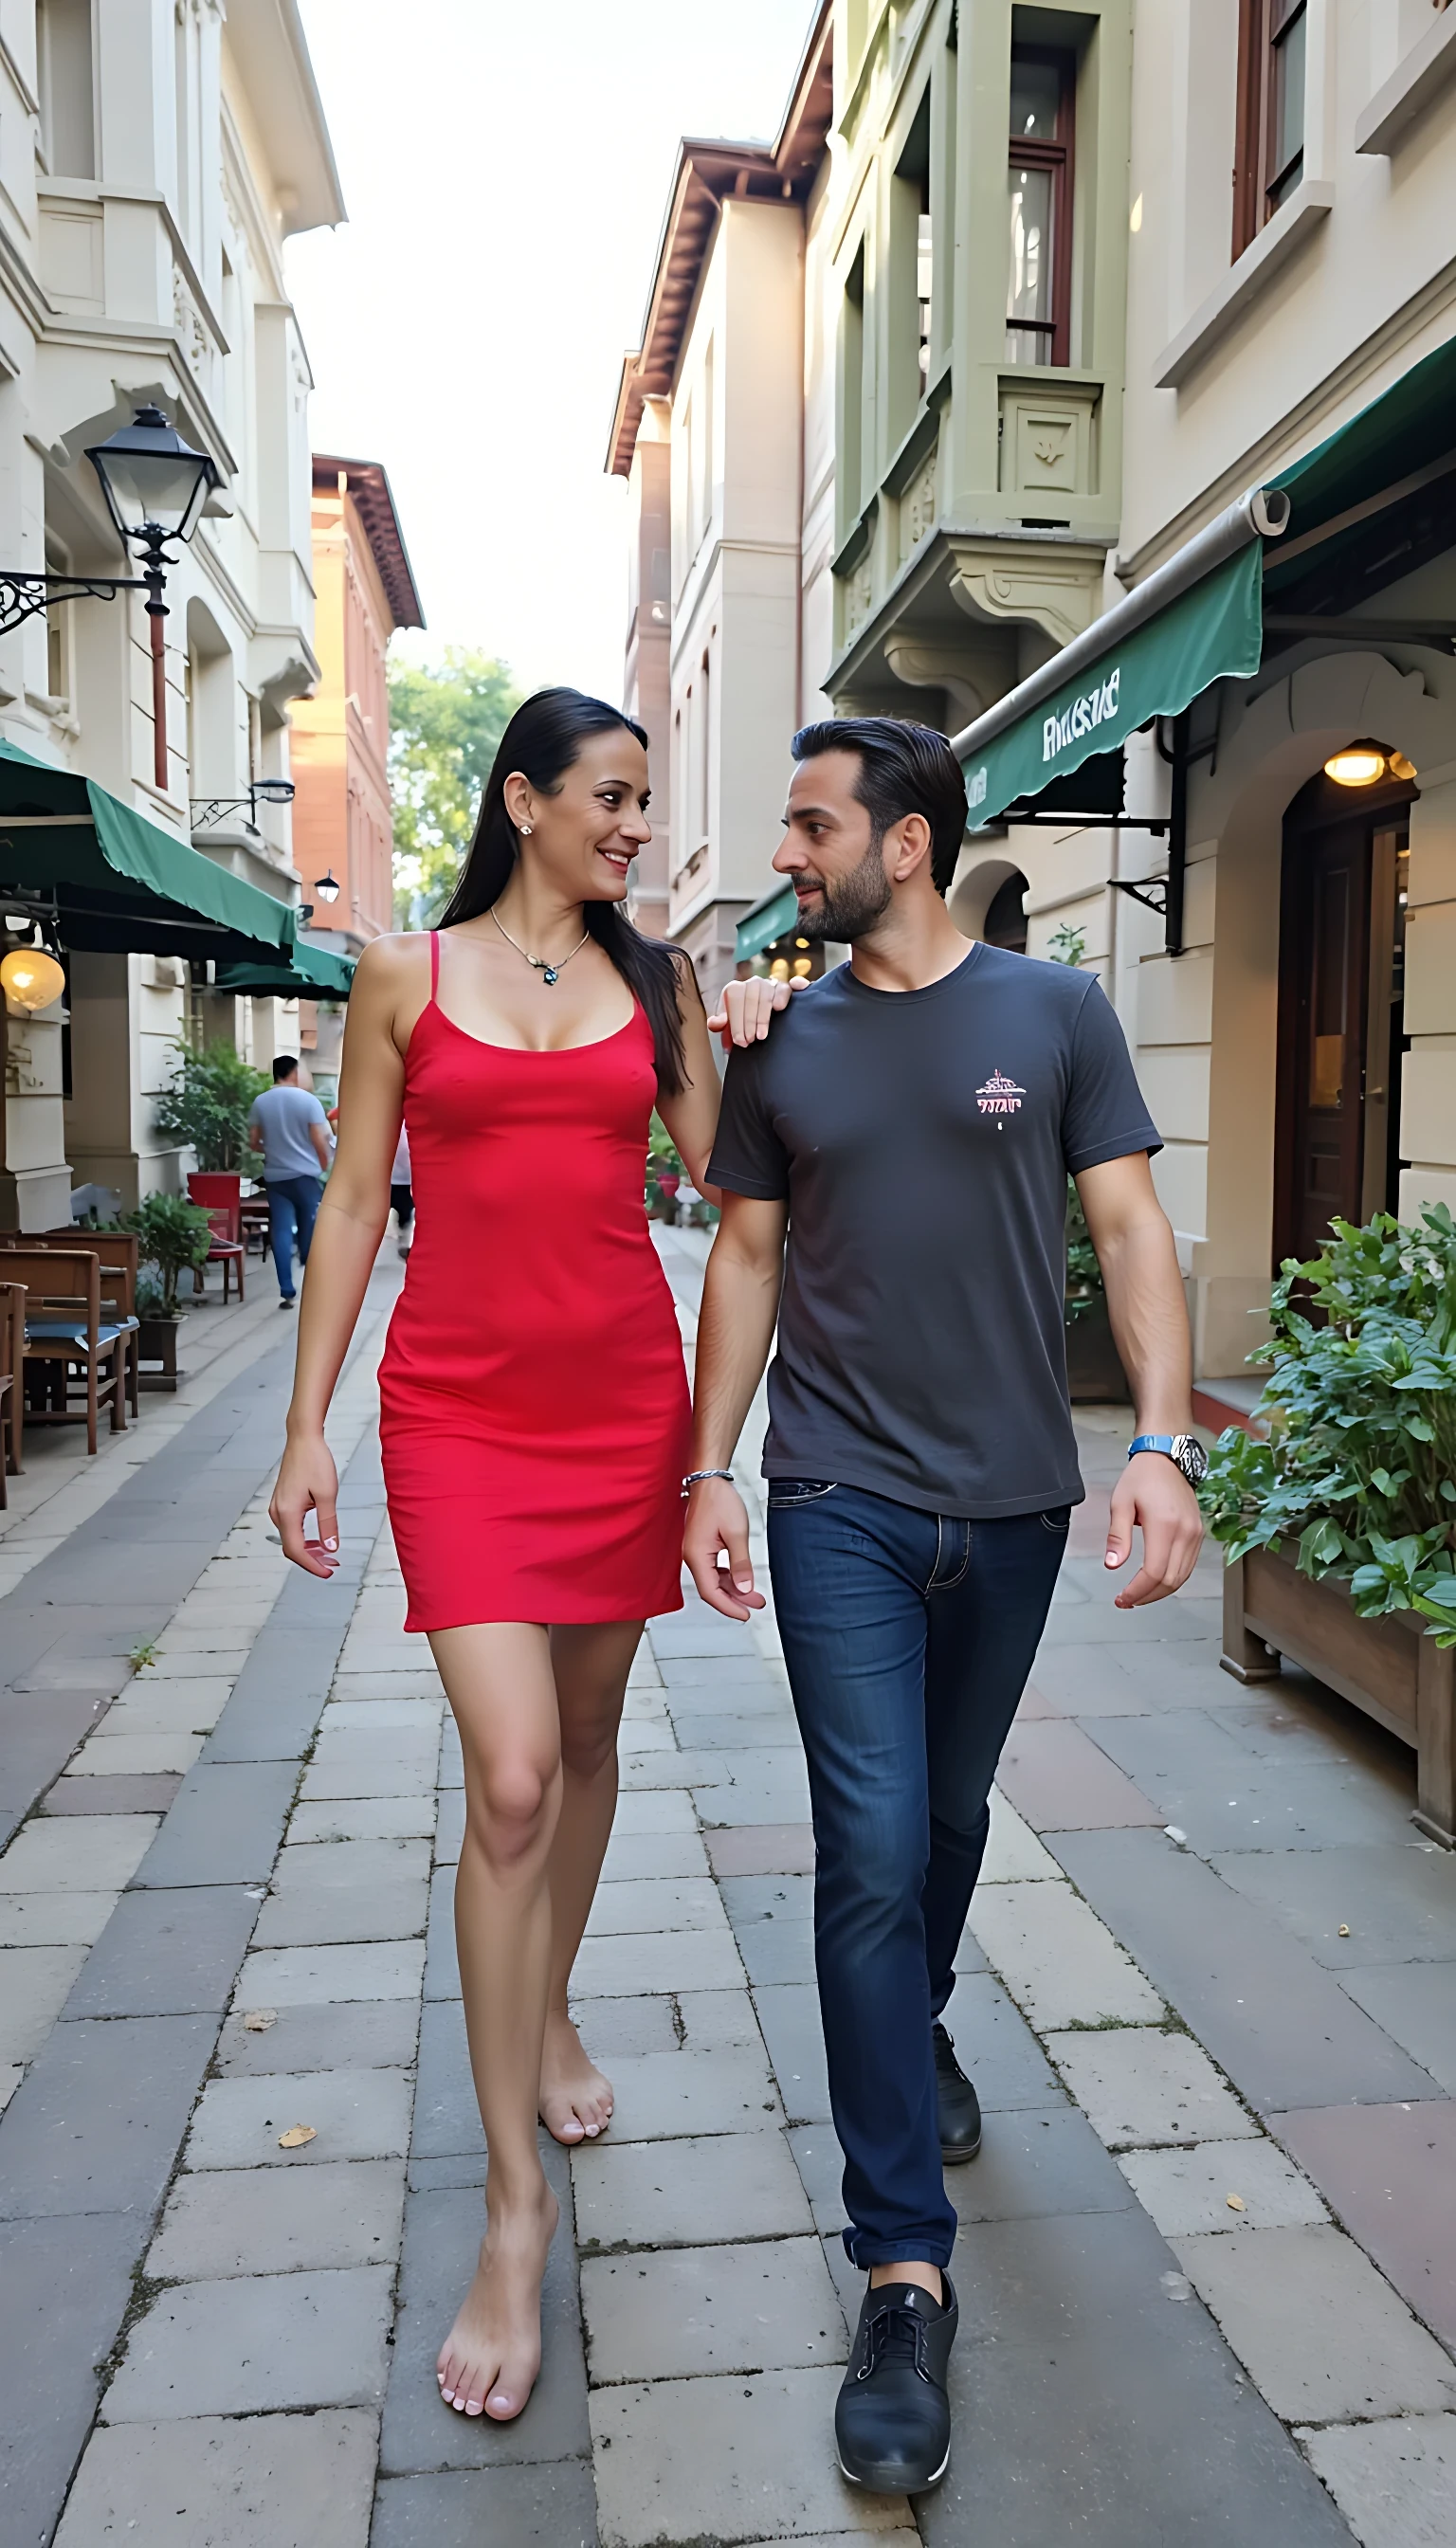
(904, 769)
(284, 1066)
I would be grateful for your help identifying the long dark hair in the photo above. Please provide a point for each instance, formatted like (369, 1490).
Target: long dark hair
(543, 741)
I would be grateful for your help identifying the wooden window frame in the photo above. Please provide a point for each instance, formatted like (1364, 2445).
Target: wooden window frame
(1059, 156)
(1262, 26)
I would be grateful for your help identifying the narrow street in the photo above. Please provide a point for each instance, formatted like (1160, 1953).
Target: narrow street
(1208, 2257)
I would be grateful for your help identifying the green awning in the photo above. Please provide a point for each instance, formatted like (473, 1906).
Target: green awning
(768, 920)
(1212, 629)
(311, 973)
(121, 883)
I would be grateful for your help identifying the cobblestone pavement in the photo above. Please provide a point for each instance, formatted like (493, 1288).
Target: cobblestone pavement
(1207, 2259)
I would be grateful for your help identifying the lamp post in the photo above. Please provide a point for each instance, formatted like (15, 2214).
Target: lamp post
(328, 886)
(261, 791)
(155, 486)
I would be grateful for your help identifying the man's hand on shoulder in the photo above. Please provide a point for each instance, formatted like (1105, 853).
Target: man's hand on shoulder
(717, 1528)
(1153, 1496)
(744, 1008)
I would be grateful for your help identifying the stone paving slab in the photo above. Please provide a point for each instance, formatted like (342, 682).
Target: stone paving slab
(726, 2460)
(652, 1857)
(1399, 1898)
(1045, 2162)
(1322, 2333)
(761, 1849)
(328, 1915)
(789, 2014)
(224, 1826)
(336, 2035)
(1062, 1964)
(256, 2342)
(53, 1919)
(368, 1818)
(679, 2192)
(551, 2505)
(1390, 2173)
(1140, 2085)
(164, 1954)
(633, 1904)
(269, 2481)
(35, 1984)
(1056, 1776)
(99, 1856)
(1187, 2191)
(356, 2114)
(120, 1795)
(1395, 2482)
(73, 2277)
(281, 1976)
(96, 2122)
(270, 2221)
(664, 1961)
(1414, 2004)
(766, 2307)
(660, 2096)
(998, 2049)
(1281, 2028)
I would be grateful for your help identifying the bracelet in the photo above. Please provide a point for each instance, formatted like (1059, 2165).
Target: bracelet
(694, 1476)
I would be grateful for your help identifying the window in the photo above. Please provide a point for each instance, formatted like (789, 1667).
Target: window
(704, 751)
(913, 253)
(1039, 196)
(1269, 143)
(67, 92)
(852, 392)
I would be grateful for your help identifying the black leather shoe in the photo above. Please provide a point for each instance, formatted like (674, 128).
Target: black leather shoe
(957, 2103)
(892, 2416)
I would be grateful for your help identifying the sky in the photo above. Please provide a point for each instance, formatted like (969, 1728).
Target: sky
(506, 170)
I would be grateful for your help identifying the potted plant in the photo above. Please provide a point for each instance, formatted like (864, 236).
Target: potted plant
(174, 1235)
(1094, 1368)
(1340, 1529)
(665, 1171)
(206, 1108)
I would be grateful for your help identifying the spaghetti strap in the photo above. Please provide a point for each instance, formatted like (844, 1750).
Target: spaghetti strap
(434, 964)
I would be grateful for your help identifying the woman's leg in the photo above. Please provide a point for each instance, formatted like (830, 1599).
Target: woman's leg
(500, 1684)
(590, 1666)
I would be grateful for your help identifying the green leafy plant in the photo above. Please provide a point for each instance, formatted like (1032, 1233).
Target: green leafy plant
(1084, 1285)
(663, 1160)
(1067, 944)
(206, 1109)
(174, 1235)
(1360, 1464)
(446, 721)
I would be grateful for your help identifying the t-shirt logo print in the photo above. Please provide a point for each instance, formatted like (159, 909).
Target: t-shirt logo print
(999, 1095)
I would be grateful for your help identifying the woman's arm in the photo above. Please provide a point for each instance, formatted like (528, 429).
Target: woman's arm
(391, 986)
(741, 1017)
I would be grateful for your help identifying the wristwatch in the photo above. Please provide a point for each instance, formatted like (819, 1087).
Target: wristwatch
(1185, 1453)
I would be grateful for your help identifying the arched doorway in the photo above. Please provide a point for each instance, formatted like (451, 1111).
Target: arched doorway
(988, 902)
(1005, 922)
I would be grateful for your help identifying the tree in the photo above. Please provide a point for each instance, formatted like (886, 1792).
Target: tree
(445, 725)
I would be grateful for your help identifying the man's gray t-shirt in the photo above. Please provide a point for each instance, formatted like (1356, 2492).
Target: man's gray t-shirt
(923, 1142)
(282, 1115)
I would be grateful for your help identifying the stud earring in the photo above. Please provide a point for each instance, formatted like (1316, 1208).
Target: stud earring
(525, 831)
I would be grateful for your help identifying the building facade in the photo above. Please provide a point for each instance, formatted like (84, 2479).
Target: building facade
(1291, 328)
(724, 432)
(155, 157)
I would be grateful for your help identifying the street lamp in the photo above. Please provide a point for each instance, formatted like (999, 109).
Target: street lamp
(30, 975)
(328, 886)
(155, 486)
(261, 791)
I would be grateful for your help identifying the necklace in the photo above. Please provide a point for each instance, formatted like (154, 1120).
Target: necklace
(550, 974)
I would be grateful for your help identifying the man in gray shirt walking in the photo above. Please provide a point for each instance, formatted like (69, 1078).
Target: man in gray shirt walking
(909, 1128)
(289, 1125)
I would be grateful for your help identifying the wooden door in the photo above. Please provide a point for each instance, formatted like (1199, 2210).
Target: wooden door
(1324, 993)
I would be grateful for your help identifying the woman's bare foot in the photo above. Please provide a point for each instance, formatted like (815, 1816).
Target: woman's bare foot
(576, 2100)
(488, 2361)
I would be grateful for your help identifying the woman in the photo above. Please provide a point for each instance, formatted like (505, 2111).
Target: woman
(534, 1412)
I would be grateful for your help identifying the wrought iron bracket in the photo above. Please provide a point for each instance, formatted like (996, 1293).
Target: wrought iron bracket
(1152, 892)
(216, 809)
(25, 597)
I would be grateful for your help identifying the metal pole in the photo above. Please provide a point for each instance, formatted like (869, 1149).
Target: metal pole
(1177, 840)
(156, 611)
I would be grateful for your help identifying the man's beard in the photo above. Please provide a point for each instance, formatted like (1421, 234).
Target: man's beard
(850, 907)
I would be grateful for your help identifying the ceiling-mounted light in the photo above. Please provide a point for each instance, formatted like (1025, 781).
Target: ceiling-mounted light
(1360, 765)
(31, 977)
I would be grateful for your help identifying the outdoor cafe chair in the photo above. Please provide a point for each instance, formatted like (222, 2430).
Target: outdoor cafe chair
(12, 1401)
(118, 1251)
(219, 1193)
(68, 1345)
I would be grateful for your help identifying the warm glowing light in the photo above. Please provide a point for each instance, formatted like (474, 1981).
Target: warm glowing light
(803, 965)
(31, 977)
(778, 969)
(1360, 765)
(1400, 766)
(1134, 217)
(802, 941)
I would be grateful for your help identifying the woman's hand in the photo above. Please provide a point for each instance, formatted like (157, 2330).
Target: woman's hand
(308, 1482)
(744, 1008)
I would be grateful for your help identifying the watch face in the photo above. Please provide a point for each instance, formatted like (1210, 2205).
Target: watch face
(1192, 1459)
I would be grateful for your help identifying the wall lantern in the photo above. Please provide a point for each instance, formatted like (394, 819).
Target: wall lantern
(155, 486)
(1364, 764)
(328, 886)
(31, 977)
(206, 810)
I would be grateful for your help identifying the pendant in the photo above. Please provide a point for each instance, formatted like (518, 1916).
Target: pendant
(549, 976)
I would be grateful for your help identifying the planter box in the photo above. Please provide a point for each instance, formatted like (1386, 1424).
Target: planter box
(1385, 1667)
(1094, 1371)
(156, 1344)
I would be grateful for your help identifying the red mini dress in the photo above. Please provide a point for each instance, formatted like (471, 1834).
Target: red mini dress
(535, 1410)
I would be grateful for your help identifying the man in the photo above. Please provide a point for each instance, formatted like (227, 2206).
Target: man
(910, 1125)
(290, 1128)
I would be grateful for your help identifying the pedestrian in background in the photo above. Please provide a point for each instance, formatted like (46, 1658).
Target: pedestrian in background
(289, 1125)
(401, 1194)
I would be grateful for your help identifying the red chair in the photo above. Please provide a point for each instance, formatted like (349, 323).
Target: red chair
(226, 1249)
(209, 1186)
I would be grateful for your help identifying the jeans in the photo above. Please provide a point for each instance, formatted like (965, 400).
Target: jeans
(401, 1200)
(908, 1638)
(293, 1209)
